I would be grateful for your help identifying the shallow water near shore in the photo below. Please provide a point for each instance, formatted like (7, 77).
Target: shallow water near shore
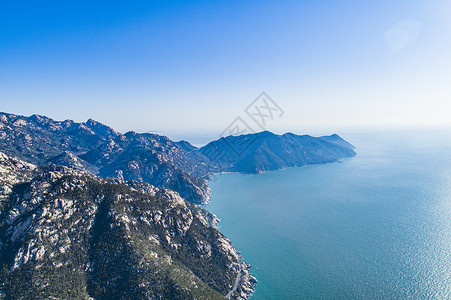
(377, 226)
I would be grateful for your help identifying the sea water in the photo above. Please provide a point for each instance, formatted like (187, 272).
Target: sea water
(376, 226)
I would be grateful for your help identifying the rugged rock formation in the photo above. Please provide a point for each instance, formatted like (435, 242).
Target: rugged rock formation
(97, 148)
(65, 233)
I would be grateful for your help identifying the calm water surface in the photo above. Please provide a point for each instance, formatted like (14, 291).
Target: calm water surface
(377, 226)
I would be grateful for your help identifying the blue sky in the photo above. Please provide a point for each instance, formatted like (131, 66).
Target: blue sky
(187, 67)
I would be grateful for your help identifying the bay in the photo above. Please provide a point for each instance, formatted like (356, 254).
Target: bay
(377, 226)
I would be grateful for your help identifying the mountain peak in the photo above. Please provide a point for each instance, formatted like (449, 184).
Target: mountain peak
(39, 119)
(100, 129)
(265, 133)
(91, 122)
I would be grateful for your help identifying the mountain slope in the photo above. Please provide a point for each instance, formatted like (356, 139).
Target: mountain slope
(99, 149)
(69, 234)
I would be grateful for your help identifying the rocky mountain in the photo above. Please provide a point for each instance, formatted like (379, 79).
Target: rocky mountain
(97, 148)
(265, 151)
(155, 159)
(68, 234)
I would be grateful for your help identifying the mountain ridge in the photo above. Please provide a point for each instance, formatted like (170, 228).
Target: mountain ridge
(157, 160)
(266, 151)
(41, 140)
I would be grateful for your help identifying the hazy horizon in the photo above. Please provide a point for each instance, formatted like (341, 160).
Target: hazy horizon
(190, 68)
(202, 136)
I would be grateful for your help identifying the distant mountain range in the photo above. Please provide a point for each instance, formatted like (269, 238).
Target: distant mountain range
(155, 159)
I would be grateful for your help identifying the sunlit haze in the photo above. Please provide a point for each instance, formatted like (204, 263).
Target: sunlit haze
(184, 68)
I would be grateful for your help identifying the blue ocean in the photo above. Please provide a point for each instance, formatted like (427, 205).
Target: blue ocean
(377, 226)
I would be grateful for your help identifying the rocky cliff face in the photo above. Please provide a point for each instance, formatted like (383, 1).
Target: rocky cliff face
(12, 172)
(65, 233)
(97, 148)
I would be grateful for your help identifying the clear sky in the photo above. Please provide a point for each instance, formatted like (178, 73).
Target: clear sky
(188, 67)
